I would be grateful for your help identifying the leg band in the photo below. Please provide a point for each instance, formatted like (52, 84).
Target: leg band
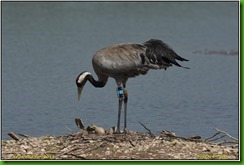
(125, 92)
(120, 92)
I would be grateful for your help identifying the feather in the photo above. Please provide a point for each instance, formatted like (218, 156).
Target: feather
(161, 54)
(127, 59)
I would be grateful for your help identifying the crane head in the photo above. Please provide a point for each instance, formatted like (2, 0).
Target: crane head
(80, 82)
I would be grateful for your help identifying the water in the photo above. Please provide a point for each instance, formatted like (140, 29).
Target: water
(45, 45)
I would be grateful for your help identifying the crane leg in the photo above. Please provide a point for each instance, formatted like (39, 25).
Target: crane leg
(120, 96)
(125, 107)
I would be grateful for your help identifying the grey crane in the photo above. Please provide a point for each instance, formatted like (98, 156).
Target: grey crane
(125, 60)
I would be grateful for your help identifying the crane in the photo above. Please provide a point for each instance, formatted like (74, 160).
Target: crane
(126, 60)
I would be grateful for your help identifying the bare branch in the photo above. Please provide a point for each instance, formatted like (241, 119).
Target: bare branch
(24, 135)
(227, 142)
(221, 134)
(79, 123)
(149, 132)
(210, 140)
(212, 136)
(68, 129)
(12, 135)
(132, 143)
(226, 134)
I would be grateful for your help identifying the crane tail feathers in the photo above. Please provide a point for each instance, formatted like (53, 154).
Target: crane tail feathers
(161, 54)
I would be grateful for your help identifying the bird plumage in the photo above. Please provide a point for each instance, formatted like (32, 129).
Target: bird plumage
(161, 54)
(120, 60)
(125, 60)
(130, 60)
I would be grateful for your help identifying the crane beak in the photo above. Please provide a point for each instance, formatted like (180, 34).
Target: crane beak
(79, 92)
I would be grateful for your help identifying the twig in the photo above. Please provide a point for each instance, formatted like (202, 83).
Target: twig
(68, 129)
(212, 136)
(132, 143)
(226, 134)
(222, 134)
(79, 123)
(12, 135)
(24, 135)
(149, 132)
(227, 142)
(66, 152)
(210, 140)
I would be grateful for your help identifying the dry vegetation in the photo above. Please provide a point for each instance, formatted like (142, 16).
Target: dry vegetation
(90, 144)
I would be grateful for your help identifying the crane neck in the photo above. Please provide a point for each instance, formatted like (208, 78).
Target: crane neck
(95, 83)
(84, 76)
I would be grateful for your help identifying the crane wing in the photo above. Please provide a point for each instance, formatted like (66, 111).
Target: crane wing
(129, 60)
(117, 59)
(161, 54)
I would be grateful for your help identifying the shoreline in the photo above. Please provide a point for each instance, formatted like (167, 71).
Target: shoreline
(91, 145)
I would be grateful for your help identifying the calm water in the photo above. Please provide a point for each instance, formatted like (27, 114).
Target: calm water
(46, 45)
